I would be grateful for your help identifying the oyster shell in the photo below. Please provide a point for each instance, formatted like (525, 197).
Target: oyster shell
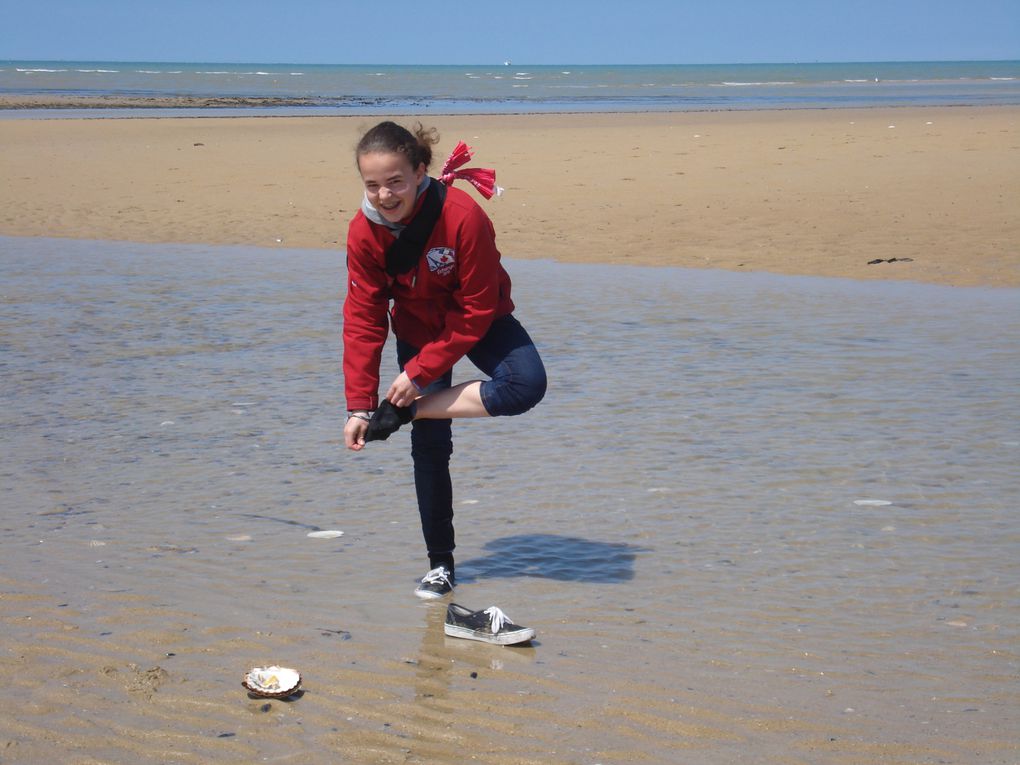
(272, 682)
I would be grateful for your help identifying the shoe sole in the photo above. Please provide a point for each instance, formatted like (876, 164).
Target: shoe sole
(428, 595)
(505, 638)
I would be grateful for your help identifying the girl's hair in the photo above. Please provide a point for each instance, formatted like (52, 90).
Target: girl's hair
(389, 137)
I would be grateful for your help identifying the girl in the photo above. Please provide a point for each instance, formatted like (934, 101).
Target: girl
(431, 250)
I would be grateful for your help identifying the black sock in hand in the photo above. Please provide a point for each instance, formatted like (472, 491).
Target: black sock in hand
(386, 420)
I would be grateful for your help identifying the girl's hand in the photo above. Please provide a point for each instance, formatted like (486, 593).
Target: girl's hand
(354, 433)
(402, 392)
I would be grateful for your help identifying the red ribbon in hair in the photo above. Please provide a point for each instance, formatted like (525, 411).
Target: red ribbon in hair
(481, 178)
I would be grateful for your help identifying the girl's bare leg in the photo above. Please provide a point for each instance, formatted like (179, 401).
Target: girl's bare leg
(464, 400)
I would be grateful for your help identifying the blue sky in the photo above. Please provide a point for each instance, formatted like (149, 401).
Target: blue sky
(525, 31)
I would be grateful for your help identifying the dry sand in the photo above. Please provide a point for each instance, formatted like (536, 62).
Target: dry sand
(820, 192)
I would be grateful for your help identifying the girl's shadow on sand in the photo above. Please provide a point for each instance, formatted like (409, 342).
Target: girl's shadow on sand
(550, 556)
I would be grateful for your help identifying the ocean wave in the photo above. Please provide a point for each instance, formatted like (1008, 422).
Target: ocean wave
(33, 71)
(98, 71)
(753, 84)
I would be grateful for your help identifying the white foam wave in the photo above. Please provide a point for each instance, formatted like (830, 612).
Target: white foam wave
(33, 71)
(99, 71)
(856, 80)
(1002, 79)
(297, 74)
(212, 72)
(756, 84)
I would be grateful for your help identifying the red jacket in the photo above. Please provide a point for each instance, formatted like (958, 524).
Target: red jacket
(443, 306)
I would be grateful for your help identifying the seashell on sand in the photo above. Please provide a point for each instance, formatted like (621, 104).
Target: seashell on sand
(272, 682)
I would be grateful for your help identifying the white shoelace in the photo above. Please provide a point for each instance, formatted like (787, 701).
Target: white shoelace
(435, 576)
(496, 619)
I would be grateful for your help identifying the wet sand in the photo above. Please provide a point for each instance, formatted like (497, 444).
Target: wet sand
(931, 193)
(758, 519)
(791, 541)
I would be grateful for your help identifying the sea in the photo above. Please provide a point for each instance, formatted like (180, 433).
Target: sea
(502, 87)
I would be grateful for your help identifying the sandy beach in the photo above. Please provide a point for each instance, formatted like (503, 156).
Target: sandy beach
(758, 518)
(932, 193)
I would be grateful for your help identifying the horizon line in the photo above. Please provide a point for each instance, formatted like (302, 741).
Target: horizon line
(510, 62)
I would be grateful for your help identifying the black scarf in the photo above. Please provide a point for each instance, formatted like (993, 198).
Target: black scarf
(405, 251)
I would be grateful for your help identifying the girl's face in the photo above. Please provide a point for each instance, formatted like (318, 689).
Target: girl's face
(391, 184)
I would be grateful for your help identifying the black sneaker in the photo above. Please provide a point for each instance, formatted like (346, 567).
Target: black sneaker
(489, 626)
(386, 420)
(435, 584)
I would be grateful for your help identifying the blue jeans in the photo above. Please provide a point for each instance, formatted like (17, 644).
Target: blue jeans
(508, 356)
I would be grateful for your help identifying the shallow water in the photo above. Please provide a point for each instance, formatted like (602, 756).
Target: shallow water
(694, 520)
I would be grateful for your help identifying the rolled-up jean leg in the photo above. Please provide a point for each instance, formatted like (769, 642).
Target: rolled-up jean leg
(509, 357)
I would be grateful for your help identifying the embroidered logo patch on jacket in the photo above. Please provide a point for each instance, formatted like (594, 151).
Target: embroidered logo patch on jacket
(441, 260)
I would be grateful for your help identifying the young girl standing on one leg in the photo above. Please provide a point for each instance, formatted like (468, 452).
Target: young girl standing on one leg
(423, 257)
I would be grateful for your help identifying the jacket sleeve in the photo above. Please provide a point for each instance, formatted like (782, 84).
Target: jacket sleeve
(366, 323)
(477, 299)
